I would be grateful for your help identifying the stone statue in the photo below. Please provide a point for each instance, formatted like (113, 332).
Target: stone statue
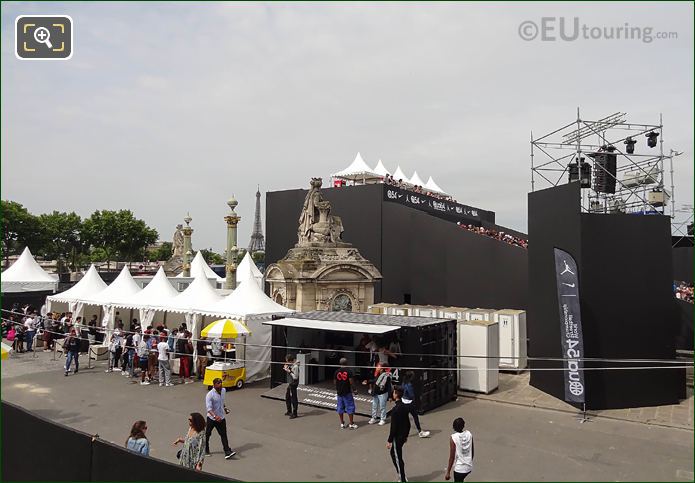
(316, 224)
(177, 245)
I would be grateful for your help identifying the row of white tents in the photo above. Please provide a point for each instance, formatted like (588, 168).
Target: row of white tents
(159, 301)
(359, 170)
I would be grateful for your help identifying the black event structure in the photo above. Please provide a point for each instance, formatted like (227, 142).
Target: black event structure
(435, 380)
(628, 309)
(413, 239)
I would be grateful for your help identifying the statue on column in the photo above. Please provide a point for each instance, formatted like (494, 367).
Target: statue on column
(177, 245)
(316, 224)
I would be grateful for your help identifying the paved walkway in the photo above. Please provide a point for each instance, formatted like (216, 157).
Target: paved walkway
(515, 389)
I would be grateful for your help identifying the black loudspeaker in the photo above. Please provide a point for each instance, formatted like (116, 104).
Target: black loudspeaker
(605, 166)
(573, 171)
(585, 174)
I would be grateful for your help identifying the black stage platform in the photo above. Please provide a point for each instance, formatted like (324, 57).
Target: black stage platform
(323, 396)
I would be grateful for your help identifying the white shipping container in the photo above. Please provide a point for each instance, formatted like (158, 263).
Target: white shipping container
(512, 333)
(478, 338)
(480, 314)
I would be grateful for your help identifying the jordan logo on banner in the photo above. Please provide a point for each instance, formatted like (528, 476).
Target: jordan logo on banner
(570, 325)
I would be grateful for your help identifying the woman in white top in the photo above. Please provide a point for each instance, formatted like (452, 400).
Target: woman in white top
(461, 452)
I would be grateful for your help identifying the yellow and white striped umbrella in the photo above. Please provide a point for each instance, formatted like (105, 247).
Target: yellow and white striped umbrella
(225, 329)
(6, 349)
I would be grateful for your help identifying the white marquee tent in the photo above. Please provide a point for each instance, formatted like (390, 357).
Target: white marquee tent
(432, 186)
(155, 294)
(416, 181)
(25, 275)
(120, 290)
(247, 270)
(358, 171)
(90, 285)
(400, 175)
(249, 303)
(199, 262)
(380, 169)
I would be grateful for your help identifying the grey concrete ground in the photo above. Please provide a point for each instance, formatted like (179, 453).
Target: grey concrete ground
(513, 443)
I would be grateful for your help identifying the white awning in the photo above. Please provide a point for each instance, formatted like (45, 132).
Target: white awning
(330, 325)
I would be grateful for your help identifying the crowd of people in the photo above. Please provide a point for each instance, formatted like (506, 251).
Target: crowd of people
(151, 350)
(683, 291)
(497, 235)
(399, 183)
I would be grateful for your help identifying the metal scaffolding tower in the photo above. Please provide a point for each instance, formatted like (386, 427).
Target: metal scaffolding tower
(613, 152)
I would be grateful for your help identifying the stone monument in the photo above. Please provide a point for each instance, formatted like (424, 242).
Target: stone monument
(322, 272)
(174, 265)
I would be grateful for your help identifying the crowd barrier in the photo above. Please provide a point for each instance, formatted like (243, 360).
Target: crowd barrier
(37, 449)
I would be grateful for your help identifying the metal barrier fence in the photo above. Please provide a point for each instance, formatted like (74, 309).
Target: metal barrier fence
(37, 449)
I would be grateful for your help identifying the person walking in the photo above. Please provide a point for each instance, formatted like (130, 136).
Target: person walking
(192, 454)
(72, 350)
(30, 331)
(398, 436)
(410, 402)
(137, 441)
(115, 350)
(344, 382)
(461, 452)
(381, 389)
(163, 362)
(185, 349)
(143, 360)
(202, 361)
(291, 367)
(216, 411)
(129, 355)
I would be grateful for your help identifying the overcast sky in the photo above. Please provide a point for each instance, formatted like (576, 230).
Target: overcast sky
(169, 108)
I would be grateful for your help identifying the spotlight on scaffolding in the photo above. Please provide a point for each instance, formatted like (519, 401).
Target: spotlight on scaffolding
(651, 138)
(630, 145)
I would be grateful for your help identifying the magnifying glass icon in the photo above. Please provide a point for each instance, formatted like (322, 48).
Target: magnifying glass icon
(43, 36)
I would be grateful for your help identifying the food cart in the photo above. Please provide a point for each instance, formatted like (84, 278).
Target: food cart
(232, 373)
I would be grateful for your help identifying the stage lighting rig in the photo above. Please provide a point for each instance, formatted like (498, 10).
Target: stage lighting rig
(651, 138)
(630, 145)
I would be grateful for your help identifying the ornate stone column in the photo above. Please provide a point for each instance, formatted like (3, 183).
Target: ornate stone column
(187, 251)
(232, 220)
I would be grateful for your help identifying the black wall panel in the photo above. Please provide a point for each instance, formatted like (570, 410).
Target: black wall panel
(553, 221)
(683, 263)
(36, 449)
(429, 258)
(627, 303)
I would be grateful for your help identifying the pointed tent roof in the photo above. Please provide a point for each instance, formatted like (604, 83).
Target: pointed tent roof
(25, 275)
(121, 289)
(199, 262)
(399, 174)
(155, 293)
(381, 169)
(357, 170)
(90, 285)
(248, 270)
(198, 297)
(416, 181)
(247, 299)
(432, 186)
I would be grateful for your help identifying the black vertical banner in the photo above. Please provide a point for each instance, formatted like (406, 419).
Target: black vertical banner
(570, 325)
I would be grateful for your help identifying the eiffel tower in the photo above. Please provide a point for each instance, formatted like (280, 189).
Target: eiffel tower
(257, 243)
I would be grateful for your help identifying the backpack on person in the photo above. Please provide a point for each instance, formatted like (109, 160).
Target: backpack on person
(382, 381)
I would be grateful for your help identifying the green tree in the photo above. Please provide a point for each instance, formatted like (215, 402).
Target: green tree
(19, 229)
(137, 236)
(162, 252)
(118, 234)
(62, 233)
(212, 258)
